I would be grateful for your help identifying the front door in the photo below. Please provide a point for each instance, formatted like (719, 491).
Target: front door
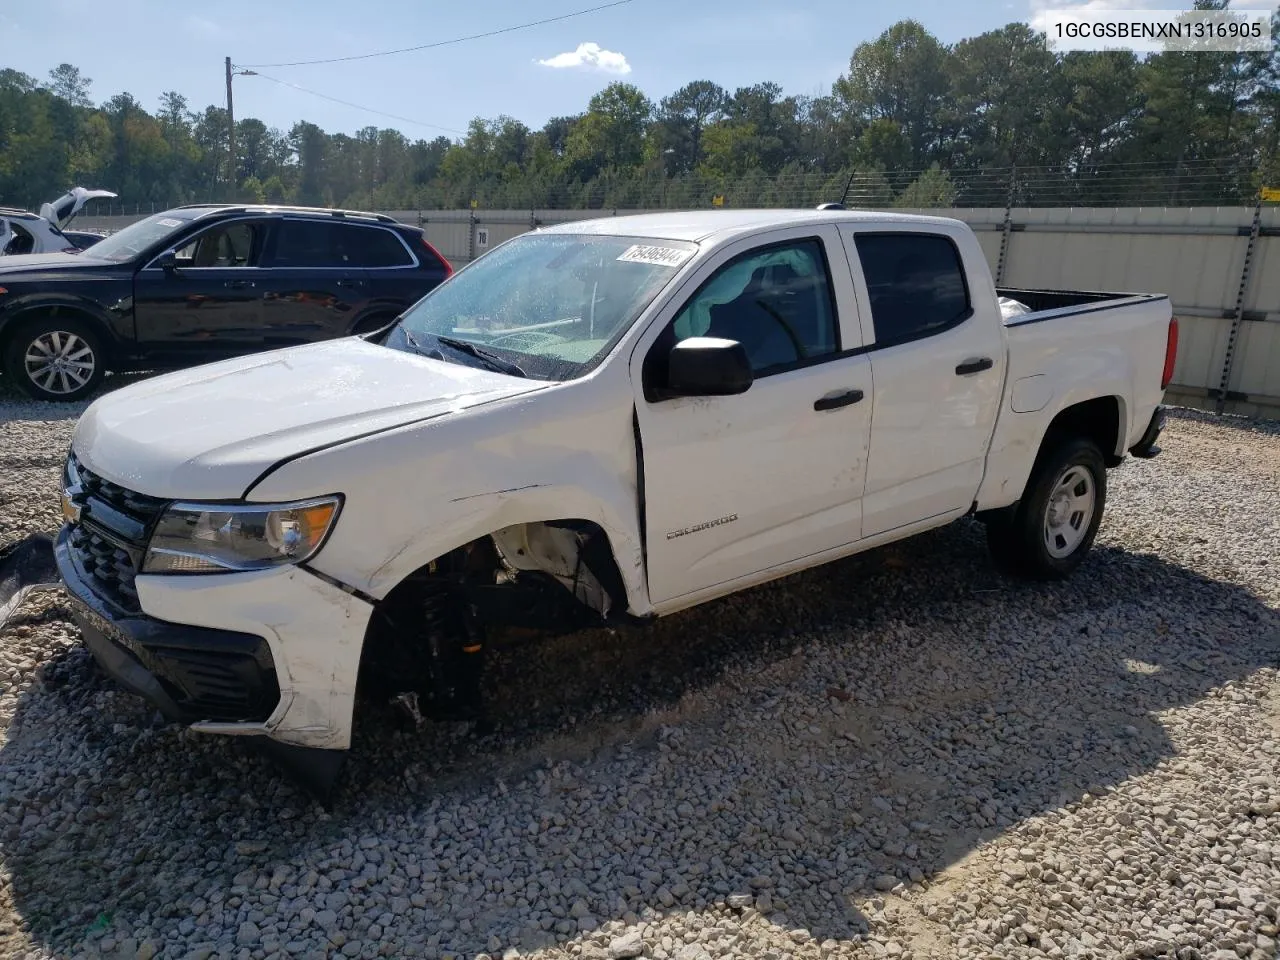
(739, 484)
(939, 372)
(209, 306)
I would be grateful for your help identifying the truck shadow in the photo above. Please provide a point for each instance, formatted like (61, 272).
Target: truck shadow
(886, 745)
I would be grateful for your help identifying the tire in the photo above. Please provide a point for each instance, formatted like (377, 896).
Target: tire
(1048, 533)
(55, 359)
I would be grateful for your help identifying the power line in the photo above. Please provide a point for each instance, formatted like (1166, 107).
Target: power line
(356, 106)
(442, 43)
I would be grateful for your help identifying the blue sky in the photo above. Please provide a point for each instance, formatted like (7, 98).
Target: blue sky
(149, 46)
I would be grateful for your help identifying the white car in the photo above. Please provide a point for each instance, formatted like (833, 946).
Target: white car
(22, 232)
(597, 422)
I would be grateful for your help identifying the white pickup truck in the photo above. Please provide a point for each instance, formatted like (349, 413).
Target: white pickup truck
(600, 421)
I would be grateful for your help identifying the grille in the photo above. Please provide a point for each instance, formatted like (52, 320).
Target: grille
(111, 568)
(112, 535)
(138, 506)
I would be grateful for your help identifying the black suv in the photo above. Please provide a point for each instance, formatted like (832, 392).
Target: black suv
(203, 283)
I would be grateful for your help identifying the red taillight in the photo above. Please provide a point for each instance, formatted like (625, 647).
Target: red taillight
(448, 267)
(1170, 353)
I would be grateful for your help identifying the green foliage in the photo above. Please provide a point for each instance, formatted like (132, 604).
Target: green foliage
(913, 123)
(933, 188)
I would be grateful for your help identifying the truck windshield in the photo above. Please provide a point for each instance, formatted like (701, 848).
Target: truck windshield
(548, 306)
(137, 237)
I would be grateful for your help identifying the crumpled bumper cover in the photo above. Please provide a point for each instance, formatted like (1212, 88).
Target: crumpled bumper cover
(189, 673)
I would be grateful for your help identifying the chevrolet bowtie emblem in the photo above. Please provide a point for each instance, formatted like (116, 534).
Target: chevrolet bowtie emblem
(70, 507)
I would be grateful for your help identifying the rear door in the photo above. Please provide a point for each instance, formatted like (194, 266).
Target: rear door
(397, 273)
(314, 287)
(939, 369)
(208, 307)
(737, 485)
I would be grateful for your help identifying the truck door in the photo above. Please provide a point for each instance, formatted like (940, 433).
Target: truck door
(937, 354)
(736, 485)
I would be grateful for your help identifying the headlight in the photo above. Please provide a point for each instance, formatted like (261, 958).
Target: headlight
(209, 538)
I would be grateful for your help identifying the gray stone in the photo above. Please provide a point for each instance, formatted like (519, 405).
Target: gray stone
(628, 945)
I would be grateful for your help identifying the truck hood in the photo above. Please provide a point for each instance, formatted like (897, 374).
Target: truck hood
(211, 432)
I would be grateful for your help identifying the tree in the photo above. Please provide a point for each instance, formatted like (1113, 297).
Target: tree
(66, 81)
(1004, 102)
(1102, 105)
(919, 122)
(173, 111)
(612, 132)
(933, 188)
(901, 76)
(311, 145)
(682, 118)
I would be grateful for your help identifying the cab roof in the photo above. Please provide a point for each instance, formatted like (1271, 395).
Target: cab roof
(703, 225)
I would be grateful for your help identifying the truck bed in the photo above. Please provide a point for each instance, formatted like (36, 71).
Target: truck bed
(1112, 348)
(1052, 304)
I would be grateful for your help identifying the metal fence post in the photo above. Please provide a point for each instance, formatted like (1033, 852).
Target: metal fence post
(1237, 316)
(1007, 228)
(471, 235)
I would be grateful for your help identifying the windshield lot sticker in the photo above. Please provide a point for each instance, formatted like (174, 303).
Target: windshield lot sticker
(658, 256)
(170, 222)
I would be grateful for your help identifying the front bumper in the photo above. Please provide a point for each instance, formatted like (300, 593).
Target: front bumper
(280, 646)
(1146, 446)
(191, 674)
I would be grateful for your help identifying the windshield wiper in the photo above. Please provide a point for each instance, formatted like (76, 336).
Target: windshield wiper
(418, 348)
(491, 360)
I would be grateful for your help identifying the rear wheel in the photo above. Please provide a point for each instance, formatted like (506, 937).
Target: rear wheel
(1051, 530)
(55, 359)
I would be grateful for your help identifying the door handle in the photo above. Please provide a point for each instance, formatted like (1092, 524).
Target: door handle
(351, 283)
(976, 365)
(837, 400)
(238, 284)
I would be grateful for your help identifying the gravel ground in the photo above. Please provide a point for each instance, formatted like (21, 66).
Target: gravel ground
(898, 755)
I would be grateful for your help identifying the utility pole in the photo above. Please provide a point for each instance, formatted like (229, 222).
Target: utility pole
(231, 135)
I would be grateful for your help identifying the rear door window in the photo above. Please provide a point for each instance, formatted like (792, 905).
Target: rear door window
(313, 243)
(915, 282)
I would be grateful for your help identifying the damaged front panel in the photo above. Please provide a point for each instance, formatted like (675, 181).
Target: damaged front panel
(558, 549)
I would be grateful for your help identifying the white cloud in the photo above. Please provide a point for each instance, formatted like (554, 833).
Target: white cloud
(589, 56)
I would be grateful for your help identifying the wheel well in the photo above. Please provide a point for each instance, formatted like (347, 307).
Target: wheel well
(33, 315)
(1097, 420)
(551, 576)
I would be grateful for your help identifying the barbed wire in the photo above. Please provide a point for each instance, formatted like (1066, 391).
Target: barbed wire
(1225, 182)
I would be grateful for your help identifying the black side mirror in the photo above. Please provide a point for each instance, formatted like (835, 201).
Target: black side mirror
(167, 261)
(708, 367)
